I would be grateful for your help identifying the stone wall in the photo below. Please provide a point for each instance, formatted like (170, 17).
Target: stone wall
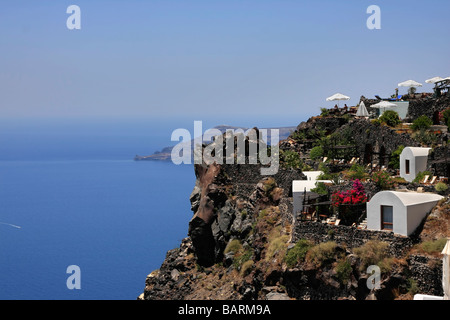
(428, 107)
(375, 142)
(244, 177)
(439, 161)
(320, 232)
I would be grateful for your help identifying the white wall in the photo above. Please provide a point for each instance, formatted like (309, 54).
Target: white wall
(374, 212)
(312, 175)
(416, 214)
(416, 163)
(406, 216)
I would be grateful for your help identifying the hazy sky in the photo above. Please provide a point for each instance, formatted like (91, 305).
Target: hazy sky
(212, 58)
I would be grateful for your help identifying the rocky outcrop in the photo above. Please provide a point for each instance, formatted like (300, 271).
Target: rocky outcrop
(427, 274)
(235, 204)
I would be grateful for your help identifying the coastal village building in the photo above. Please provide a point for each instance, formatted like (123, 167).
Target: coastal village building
(301, 190)
(399, 212)
(413, 161)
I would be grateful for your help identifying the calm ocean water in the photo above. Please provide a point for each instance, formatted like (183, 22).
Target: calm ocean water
(70, 194)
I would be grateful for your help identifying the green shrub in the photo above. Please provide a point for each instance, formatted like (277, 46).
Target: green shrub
(435, 246)
(320, 188)
(446, 115)
(422, 123)
(357, 172)
(425, 137)
(441, 187)
(276, 246)
(391, 118)
(316, 153)
(373, 252)
(246, 268)
(383, 180)
(394, 161)
(290, 159)
(297, 253)
(241, 257)
(412, 286)
(343, 271)
(324, 112)
(233, 246)
(376, 122)
(421, 175)
(321, 253)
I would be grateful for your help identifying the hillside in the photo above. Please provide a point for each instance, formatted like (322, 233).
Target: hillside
(244, 242)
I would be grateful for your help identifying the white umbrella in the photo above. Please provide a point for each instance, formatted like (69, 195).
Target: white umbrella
(446, 270)
(384, 105)
(362, 110)
(338, 97)
(409, 83)
(434, 80)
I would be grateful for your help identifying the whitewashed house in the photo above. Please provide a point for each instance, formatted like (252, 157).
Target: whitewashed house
(302, 187)
(412, 161)
(399, 212)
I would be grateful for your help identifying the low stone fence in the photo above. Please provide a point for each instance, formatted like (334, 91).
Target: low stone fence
(352, 237)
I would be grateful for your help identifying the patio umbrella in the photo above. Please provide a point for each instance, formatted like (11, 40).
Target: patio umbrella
(434, 80)
(362, 110)
(410, 84)
(338, 97)
(384, 105)
(446, 270)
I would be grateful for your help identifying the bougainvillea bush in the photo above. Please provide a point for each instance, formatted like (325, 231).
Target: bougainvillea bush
(356, 195)
(350, 203)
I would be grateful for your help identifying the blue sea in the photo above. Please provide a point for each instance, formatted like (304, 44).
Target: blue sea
(71, 194)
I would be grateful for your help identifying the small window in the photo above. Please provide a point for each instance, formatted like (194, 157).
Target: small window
(387, 218)
(407, 170)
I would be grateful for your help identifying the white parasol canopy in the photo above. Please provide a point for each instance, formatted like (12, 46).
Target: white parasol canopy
(383, 105)
(338, 96)
(362, 110)
(446, 270)
(434, 80)
(409, 83)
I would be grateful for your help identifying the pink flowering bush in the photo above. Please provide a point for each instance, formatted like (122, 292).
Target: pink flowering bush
(356, 195)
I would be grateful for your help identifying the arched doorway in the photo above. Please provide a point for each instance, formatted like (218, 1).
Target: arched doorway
(368, 153)
(382, 156)
(436, 118)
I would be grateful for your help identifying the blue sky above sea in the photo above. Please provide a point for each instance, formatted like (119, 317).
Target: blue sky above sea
(225, 60)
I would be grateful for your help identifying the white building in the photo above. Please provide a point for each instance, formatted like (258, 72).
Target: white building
(299, 187)
(413, 161)
(399, 212)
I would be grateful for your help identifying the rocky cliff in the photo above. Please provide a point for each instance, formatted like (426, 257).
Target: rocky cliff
(242, 243)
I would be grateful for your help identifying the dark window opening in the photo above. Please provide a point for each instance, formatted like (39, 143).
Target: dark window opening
(387, 218)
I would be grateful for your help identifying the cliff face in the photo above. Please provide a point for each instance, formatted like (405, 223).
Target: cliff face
(242, 243)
